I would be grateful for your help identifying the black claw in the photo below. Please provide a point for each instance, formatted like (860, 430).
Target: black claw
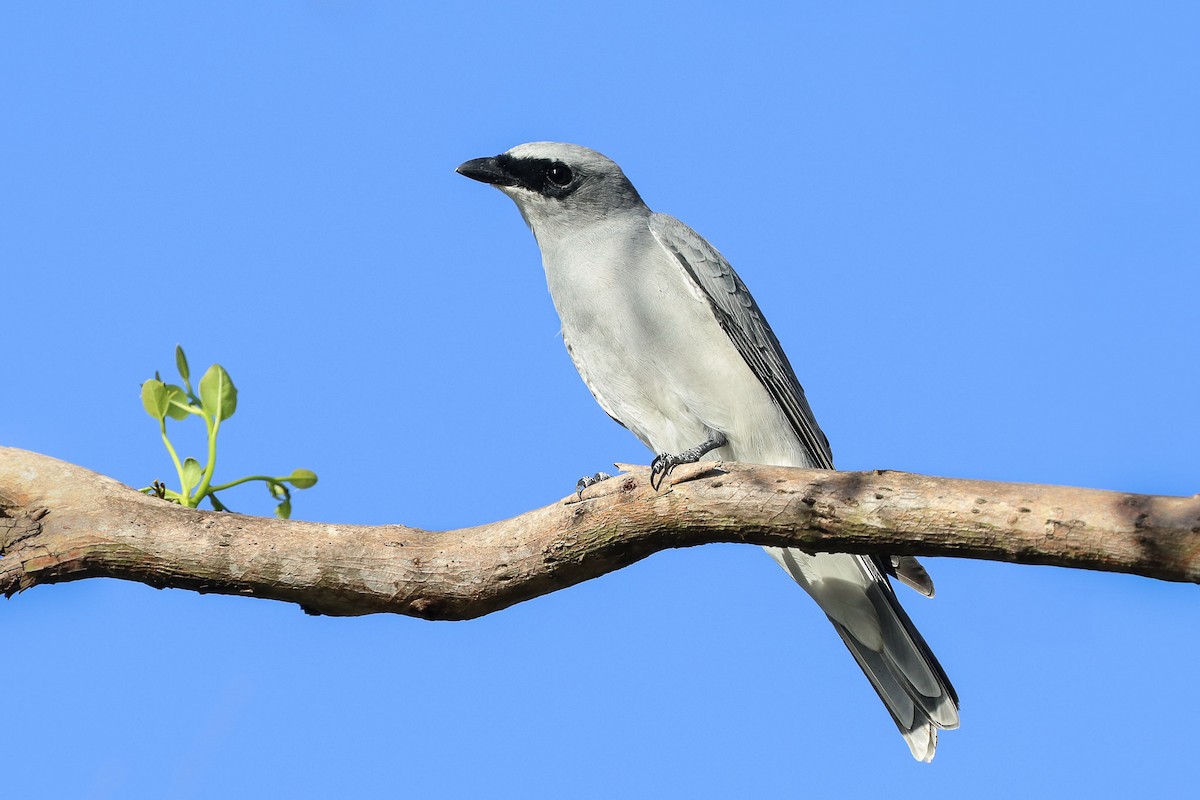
(661, 467)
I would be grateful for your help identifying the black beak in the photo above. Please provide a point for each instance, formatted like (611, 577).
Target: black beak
(487, 170)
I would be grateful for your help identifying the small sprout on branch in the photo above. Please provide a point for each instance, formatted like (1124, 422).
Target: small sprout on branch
(215, 403)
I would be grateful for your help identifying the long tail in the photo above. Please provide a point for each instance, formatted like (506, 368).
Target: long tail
(859, 601)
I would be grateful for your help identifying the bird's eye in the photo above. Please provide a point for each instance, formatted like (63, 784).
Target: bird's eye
(559, 174)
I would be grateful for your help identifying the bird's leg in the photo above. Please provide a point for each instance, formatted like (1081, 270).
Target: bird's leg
(590, 480)
(663, 463)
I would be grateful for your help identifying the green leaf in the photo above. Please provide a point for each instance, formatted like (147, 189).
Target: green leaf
(181, 364)
(155, 398)
(302, 478)
(218, 394)
(177, 404)
(284, 510)
(191, 473)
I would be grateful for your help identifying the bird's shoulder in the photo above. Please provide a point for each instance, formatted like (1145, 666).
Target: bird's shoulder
(713, 273)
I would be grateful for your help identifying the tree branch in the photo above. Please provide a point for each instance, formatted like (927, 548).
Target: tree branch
(60, 522)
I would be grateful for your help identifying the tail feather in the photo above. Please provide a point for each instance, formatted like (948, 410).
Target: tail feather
(856, 596)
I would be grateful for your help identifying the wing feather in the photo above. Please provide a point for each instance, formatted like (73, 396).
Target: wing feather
(745, 325)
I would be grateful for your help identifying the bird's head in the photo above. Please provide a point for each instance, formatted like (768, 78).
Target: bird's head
(557, 185)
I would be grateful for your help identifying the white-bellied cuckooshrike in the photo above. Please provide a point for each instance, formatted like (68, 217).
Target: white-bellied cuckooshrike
(673, 347)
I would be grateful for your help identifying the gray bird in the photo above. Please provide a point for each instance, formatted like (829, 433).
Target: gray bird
(671, 344)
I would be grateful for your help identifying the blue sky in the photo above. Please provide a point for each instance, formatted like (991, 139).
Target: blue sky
(972, 226)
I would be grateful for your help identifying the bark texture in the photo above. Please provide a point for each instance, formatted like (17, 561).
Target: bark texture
(60, 522)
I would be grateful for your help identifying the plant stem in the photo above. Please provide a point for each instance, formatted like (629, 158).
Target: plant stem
(247, 479)
(174, 458)
(213, 427)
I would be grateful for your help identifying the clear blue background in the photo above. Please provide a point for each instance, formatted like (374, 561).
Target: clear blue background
(974, 227)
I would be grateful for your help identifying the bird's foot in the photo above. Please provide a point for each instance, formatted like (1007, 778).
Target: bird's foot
(590, 480)
(661, 467)
(663, 463)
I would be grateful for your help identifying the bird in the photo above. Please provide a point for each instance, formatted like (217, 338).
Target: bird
(673, 347)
